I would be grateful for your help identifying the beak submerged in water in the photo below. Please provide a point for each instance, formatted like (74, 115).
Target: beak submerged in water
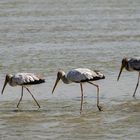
(122, 67)
(57, 80)
(5, 83)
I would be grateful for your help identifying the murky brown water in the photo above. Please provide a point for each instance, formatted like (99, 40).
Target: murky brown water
(46, 35)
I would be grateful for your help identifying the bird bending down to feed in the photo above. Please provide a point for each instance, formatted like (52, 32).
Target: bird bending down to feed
(131, 64)
(80, 75)
(23, 80)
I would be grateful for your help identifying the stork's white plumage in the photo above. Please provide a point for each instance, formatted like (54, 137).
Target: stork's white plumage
(23, 79)
(80, 75)
(83, 75)
(131, 64)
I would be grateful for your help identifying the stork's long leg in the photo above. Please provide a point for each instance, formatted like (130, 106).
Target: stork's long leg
(136, 85)
(33, 97)
(20, 97)
(81, 97)
(99, 107)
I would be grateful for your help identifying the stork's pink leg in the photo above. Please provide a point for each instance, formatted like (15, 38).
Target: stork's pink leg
(99, 107)
(136, 85)
(20, 97)
(81, 97)
(33, 97)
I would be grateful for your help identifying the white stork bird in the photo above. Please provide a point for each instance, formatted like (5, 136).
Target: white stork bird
(80, 75)
(23, 80)
(131, 64)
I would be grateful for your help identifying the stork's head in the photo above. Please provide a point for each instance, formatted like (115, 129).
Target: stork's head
(124, 64)
(7, 79)
(60, 74)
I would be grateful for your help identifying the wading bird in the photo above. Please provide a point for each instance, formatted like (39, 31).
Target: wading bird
(80, 75)
(23, 80)
(131, 64)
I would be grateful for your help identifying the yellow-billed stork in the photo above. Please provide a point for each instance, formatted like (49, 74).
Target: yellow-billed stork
(23, 80)
(131, 64)
(80, 75)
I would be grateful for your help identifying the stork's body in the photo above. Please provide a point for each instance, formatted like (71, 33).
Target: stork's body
(80, 75)
(131, 64)
(23, 80)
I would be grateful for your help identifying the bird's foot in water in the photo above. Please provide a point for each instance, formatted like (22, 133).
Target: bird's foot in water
(134, 96)
(100, 108)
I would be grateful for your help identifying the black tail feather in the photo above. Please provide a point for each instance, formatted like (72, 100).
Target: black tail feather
(94, 79)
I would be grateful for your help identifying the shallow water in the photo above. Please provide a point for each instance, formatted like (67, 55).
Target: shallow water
(45, 36)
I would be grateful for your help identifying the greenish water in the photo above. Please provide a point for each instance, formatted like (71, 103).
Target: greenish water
(47, 35)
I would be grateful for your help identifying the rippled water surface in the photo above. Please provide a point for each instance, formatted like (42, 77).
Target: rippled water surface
(43, 36)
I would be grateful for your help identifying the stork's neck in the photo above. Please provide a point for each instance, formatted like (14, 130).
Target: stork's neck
(65, 79)
(9, 79)
(11, 83)
(128, 66)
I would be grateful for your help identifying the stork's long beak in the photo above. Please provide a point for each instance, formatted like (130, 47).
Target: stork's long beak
(5, 83)
(122, 67)
(57, 80)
